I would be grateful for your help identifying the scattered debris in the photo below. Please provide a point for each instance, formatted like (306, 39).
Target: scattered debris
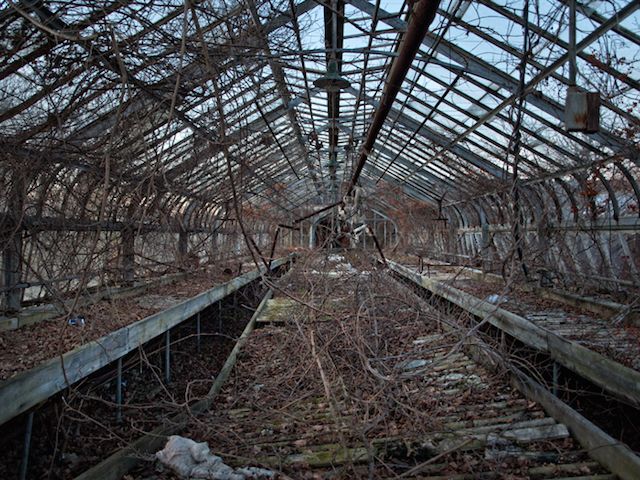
(192, 460)
(77, 321)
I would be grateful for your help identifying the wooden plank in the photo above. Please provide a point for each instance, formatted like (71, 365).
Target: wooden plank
(29, 388)
(613, 377)
(118, 464)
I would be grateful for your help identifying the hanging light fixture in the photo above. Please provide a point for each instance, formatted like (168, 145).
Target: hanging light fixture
(332, 81)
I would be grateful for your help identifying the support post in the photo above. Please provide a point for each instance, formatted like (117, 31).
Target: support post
(385, 233)
(556, 378)
(485, 245)
(119, 391)
(128, 255)
(198, 332)
(572, 43)
(24, 465)
(12, 265)
(167, 357)
(235, 305)
(183, 246)
(12, 253)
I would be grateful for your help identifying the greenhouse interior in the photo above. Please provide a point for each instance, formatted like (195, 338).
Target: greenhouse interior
(319, 239)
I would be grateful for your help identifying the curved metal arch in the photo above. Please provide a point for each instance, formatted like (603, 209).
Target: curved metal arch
(211, 215)
(536, 205)
(479, 213)
(94, 193)
(632, 181)
(170, 203)
(458, 215)
(395, 225)
(68, 184)
(198, 217)
(552, 194)
(589, 204)
(569, 194)
(489, 214)
(186, 218)
(202, 217)
(48, 182)
(501, 219)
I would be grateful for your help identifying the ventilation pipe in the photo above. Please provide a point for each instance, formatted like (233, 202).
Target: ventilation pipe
(420, 17)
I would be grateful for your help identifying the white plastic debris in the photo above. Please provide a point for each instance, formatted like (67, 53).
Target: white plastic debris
(192, 460)
(496, 299)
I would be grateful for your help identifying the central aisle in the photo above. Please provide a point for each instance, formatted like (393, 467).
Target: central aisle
(349, 375)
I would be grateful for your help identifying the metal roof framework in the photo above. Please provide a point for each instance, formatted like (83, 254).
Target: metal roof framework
(122, 99)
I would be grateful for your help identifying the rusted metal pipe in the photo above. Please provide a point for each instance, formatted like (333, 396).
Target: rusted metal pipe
(421, 16)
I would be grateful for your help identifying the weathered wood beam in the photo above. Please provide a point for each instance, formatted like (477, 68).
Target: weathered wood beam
(630, 224)
(60, 224)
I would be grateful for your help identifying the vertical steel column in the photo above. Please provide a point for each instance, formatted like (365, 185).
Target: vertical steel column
(24, 465)
(556, 378)
(183, 246)
(12, 240)
(375, 224)
(198, 332)
(128, 255)
(385, 232)
(119, 391)
(167, 356)
(12, 265)
(235, 305)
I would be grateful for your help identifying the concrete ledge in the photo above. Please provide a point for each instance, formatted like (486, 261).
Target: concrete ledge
(29, 388)
(39, 313)
(613, 454)
(613, 377)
